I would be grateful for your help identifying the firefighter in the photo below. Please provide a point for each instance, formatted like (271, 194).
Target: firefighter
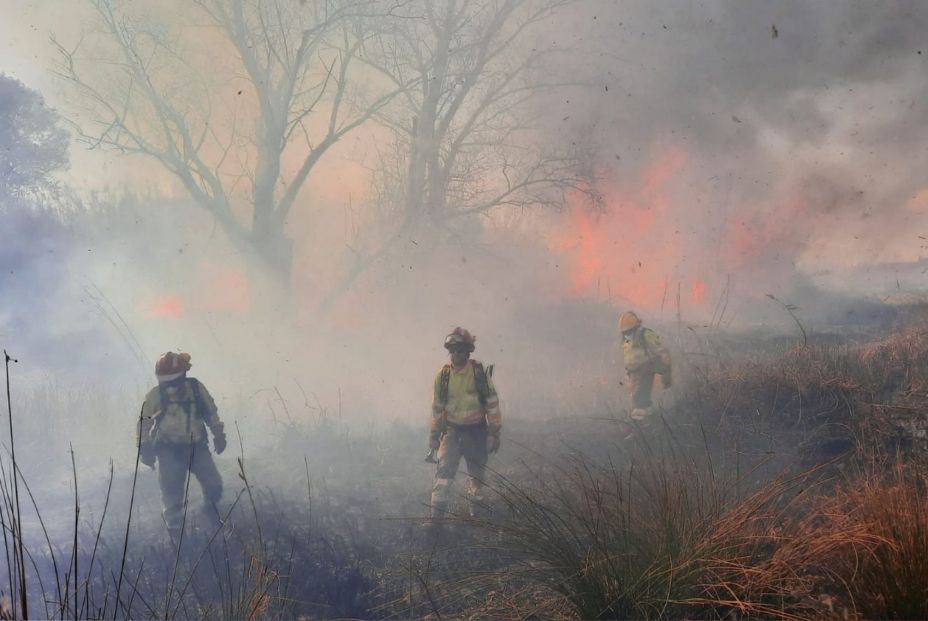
(172, 431)
(645, 357)
(466, 422)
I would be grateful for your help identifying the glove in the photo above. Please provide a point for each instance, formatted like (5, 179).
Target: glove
(147, 456)
(434, 441)
(219, 442)
(493, 443)
(666, 380)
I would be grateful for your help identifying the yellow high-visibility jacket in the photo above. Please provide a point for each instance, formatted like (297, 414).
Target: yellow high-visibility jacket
(463, 406)
(644, 353)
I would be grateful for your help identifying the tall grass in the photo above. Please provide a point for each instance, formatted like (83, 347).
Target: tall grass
(820, 401)
(14, 546)
(890, 580)
(651, 529)
(668, 539)
(237, 570)
(221, 573)
(668, 534)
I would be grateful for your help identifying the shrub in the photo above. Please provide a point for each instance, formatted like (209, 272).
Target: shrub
(888, 580)
(668, 539)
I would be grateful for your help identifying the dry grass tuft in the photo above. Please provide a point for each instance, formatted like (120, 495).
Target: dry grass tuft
(823, 401)
(888, 579)
(665, 540)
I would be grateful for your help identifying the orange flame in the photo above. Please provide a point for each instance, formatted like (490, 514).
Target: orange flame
(698, 291)
(633, 251)
(170, 306)
(213, 288)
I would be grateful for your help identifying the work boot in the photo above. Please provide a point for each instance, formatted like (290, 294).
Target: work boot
(434, 525)
(478, 509)
(476, 501)
(210, 519)
(174, 535)
(438, 511)
(640, 414)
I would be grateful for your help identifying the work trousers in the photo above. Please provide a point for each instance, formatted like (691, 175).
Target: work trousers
(641, 384)
(174, 463)
(469, 442)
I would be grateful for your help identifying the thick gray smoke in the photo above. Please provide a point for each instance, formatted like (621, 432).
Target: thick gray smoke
(802, 126)
(740, 149)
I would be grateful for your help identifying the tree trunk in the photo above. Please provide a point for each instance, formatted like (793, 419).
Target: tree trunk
(424, 141)
(273, 250)
(275, 256)
(271, 269)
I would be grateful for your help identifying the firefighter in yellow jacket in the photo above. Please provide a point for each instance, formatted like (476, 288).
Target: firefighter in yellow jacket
(466, 422)
(645, 357)
(172, 431)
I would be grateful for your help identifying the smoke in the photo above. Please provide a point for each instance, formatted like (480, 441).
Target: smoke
(740, 148)
(801, 130)
(31, 249)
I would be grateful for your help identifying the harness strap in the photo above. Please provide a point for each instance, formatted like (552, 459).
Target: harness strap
(483, 386)
(644, 343)
(443, 386)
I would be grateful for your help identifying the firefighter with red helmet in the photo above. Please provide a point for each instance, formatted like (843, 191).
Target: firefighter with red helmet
(465, 422)
(645, 357)
(172, 431)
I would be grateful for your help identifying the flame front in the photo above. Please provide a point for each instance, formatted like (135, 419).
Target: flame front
(166, 306)
(632, 251)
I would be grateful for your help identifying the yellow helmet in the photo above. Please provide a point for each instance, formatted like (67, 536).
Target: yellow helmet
(628, 321)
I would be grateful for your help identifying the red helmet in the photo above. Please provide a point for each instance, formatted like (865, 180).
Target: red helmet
(171, 363)
(458, 337)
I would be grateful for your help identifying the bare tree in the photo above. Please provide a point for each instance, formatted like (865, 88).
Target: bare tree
(287, 67)
(465, 140)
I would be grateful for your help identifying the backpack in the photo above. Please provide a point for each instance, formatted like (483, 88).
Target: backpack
(179, 420)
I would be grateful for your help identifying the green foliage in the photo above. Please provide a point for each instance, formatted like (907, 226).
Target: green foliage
(32, 144)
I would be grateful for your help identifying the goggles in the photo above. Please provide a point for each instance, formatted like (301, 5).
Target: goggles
(455, 344)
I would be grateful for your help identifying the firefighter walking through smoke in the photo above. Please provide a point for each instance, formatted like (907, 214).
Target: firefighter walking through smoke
(645, 357)
(466, 422)
(172, 431)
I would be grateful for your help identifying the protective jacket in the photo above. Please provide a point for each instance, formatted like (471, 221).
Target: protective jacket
(471, 398)
(644, 353)
(178, 412)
